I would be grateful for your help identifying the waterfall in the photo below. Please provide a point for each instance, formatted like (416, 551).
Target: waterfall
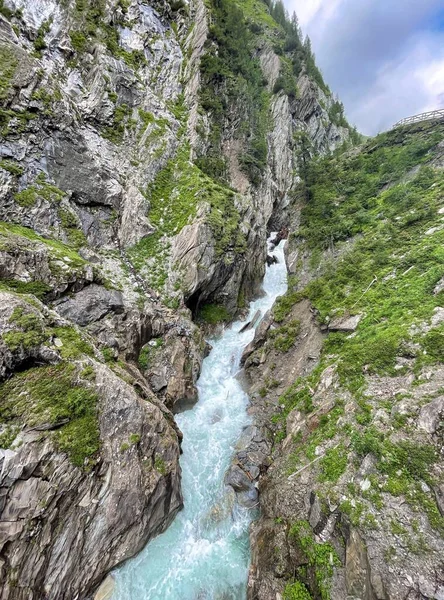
(204, 554)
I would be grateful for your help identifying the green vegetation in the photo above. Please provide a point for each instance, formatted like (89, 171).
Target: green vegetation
(37, 288)
(402, 465)
(5, 11)
(321, 559)
(54, 395)
(29, 330)
(284, 337)
(70, 223)
(344, 193)
(12, 236)
(146, 119)
(232, 76)
(121, 119)
(21, 120)
(336, 114)
(74, 345)
(88, 373)
(213, 314)
(160, 465)
(8, 436)
(27, 197)
(391, 211)
(403, 459)
(134, 439)
(333, 464)
(39, 42)
(79, 41)
(299, 396)
(91, 26)
(109, 355)
(296, 591)
(174, 196)
(396, 257)
(48, 98)
(286, 83)
(284, 304)
(147, 353)
(380, 210)
(41, 189)
(9, 59)
(67, 218)
(11, 167)
(257, 12)
(8, 65)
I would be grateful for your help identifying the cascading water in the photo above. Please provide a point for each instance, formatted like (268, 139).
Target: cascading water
(204, 555)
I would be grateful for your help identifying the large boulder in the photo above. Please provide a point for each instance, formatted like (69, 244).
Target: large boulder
(91, 304)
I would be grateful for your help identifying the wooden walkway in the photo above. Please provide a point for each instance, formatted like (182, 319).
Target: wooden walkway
(426, 116)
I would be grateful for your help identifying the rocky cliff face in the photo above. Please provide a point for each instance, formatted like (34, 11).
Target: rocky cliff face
(346, 379)
(118, 222)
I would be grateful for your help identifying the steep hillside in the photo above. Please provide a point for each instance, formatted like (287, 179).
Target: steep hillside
(348, 377)
(147, 148)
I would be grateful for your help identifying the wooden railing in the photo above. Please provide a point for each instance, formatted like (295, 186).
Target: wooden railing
(426, 116)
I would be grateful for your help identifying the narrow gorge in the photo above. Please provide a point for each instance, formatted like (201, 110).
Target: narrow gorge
(205, 552)
(174, 422)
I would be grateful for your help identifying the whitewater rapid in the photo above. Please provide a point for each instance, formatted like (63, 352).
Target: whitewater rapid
(205, 553)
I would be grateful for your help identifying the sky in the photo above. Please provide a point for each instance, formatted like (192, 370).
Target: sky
(383, 58)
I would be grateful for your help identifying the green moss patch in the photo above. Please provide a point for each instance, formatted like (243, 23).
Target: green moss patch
(296, 591)
(8, 66)
(54, 396)
(29, 331)
(74, 345)
(91, 24)
(12, 235)
(321, 559)
(213, 314)
(402, 466)
(12, 167)
(284, 304)
(70, 223)
(284, 337)
(174, 196)
(147, 353)
(29, 196)
(333, 464)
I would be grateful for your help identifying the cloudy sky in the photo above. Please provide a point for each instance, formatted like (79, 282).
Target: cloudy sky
(384, 58)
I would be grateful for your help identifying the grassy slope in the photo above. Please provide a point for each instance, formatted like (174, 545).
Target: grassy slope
(385, 202)
(387, 197)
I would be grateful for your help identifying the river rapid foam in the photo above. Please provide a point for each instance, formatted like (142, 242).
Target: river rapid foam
(204, 554)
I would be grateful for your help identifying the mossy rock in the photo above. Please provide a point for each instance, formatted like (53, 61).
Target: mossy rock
(55, 397)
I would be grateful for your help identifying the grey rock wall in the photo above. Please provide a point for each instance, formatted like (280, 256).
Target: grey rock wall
(88, 127)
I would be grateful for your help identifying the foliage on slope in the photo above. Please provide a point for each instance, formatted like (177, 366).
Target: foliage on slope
(372, 238)
(388, 199)
(234, 88)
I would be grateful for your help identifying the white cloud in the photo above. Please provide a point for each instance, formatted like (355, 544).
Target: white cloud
(409, 85)
(305, 10)
(382, 57)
